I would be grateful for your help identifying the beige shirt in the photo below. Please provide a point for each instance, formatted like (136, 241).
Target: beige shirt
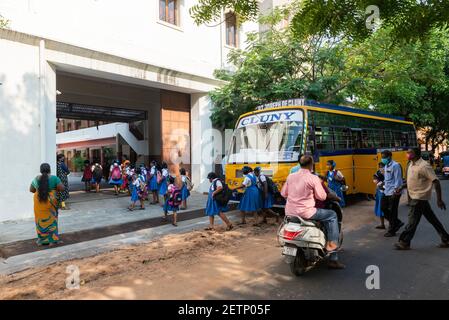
(420, 177)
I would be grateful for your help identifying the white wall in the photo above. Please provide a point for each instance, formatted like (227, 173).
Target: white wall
(20, 132)
(129, 29)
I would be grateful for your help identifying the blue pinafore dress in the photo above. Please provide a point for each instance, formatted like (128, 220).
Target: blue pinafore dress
(185, 193)
(212, 206)
(377, 205)
(163, 186)
(267, 203)
(153, 186)
(335, 186)
(251, 200)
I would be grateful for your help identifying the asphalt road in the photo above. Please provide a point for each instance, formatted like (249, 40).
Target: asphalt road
(420, 273)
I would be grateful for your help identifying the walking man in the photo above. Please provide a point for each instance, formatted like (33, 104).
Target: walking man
(420, 179)
(392, 194)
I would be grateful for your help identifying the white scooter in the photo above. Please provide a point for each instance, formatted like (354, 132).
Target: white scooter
(304, 241)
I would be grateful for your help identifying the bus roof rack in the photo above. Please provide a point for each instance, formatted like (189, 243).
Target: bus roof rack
(313, 103)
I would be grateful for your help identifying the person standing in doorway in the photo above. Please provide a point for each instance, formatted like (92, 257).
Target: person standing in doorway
(392, 194)
(87, 176)
(421, 178)
(45, 188)
(62, 172)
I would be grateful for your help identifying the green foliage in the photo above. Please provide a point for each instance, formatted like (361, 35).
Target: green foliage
(78, 163)
(405, 78)
(210, 10)
(3, 22)
(407, 19)
(278, 66)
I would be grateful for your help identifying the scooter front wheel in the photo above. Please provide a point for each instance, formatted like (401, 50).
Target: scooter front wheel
(299, 266)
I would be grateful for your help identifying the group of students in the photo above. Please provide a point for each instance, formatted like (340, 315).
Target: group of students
(140, 181)
(258, 197)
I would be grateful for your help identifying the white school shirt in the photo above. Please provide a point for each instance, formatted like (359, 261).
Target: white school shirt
(153, 170)
(184, 179)
(217, 184)
(165, 173)
(262, 178)
(247, 181)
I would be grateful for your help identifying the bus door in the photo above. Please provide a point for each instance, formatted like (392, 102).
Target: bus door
(364, 161)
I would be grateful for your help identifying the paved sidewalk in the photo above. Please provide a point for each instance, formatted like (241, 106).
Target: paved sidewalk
(90, 248)
(89, 211)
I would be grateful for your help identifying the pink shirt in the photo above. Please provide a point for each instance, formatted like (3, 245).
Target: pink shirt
(301, 189)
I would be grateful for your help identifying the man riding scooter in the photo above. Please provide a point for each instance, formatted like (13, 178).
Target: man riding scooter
(300, 190)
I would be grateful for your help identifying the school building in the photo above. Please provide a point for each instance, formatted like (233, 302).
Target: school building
(130, 76)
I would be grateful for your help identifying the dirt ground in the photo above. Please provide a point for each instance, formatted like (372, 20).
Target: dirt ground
(196, 265)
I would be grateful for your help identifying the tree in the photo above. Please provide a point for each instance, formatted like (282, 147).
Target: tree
(210, 10)
(413, 82)
(3, 22)
(278, 66)
(407, 19)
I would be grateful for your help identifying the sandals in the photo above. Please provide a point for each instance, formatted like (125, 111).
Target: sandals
(229, 228)
(208, 229)
(174, 224)
(380, 227)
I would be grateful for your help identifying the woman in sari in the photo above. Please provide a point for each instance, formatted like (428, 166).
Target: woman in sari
(62, 172)
(45, 188)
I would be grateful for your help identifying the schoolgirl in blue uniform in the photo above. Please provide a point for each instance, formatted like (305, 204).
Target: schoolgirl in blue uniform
(163, 185)
(153, 186)
(185, 193)
(136, 184)
(335, 180)
(266, 197)
(250, 201)
(170, 203)
(213, 208)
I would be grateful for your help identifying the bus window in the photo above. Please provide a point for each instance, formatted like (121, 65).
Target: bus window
(356, 138)
(342, 138)
(323, 138)
(388, 139)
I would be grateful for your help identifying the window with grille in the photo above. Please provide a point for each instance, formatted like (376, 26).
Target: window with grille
(231, 29)
(168, 11)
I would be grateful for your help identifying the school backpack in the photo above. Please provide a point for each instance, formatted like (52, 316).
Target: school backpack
(189, 184)
(98, 172)
(272, 187)
(158, 177)
(175, 197)
(116, 173)
(224, 195)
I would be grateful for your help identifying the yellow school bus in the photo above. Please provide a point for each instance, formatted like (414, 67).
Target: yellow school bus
(276, 134)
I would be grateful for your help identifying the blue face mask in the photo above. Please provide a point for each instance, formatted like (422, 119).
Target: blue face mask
(385, 161)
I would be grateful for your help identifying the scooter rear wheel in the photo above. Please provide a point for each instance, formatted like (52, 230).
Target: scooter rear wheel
(299, 266)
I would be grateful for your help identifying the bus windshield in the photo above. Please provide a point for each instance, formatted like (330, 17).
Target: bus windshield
(274, 136)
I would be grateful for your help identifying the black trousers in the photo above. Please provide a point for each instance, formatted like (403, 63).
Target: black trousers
(417, 209)
(389, 206)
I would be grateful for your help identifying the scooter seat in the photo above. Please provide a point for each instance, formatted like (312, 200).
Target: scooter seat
(305, 222)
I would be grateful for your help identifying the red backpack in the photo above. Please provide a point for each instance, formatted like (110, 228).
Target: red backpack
(175, 197)
(116, 173)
